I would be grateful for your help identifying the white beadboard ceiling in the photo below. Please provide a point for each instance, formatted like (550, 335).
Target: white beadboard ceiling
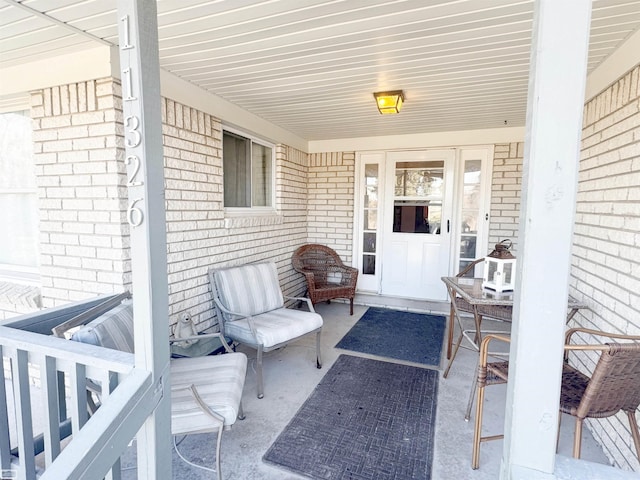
(311, 66)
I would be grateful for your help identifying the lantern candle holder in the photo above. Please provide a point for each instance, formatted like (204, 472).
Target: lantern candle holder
(500, 268)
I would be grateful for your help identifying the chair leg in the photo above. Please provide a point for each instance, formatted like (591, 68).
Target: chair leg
(472, 394)
(450, 332)
(558, 435)
(477, 429)
(351, 306)
(318, 353)
(218, 444)
(453, 356)
(217, 460)
(259, 373)
(241, 415)
(577, 439)
(635, 433)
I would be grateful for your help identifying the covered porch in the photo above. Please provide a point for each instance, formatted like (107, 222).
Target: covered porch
(290, 381)
(88, 242)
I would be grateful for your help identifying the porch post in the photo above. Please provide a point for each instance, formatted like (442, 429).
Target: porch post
(552, 144)
(140, 74)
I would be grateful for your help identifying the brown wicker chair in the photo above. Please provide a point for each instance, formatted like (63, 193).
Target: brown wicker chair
(613, 386)
(496, 312)
(327, 277)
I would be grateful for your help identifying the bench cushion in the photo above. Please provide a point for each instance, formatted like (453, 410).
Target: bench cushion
(249, 289)
(219, 380)
(113, 329)
(274, 327)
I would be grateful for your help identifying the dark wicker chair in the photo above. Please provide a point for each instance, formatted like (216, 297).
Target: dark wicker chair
(327, 277)
(613, 386)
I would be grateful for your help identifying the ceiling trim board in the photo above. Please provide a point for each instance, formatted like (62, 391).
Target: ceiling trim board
(613, 67)
(75, 67)
(420, 140)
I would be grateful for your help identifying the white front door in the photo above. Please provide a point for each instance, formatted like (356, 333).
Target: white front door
(416, 230)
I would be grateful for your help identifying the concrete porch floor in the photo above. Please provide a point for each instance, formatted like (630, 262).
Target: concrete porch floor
(291, 376)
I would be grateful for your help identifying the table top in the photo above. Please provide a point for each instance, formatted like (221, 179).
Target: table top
(472, 291)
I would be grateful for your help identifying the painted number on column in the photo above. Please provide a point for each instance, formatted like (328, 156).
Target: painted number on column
(133, 136)
(126, 34)
(133, 172)
(134, 214)
(127, 85)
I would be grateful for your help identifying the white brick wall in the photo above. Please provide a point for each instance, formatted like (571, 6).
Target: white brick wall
(81, 178)
(292, 195)
(506, 186)
(606, 249)
(193, 206)
(330, 201)
(75, 131)
(198, 234)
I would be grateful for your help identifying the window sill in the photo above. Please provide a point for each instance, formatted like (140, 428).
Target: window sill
(251, 218)
(20, 275)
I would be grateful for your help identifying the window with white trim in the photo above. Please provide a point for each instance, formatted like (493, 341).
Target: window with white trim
(19, 255)
(247, 168)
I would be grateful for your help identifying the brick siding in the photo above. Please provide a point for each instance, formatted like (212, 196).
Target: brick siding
(330, 202)
(506, 187)
(80, 179)
(606, 248)
(193, 192)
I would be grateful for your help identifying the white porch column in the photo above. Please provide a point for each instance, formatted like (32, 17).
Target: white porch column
(552, 143)
(140, 74)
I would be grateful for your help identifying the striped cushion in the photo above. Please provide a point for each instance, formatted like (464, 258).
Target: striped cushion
(219, 380)
(113, 329)
(274, 327)
(249, 289)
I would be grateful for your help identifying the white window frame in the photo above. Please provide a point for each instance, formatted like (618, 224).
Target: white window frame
(253, 210)
(16, 273)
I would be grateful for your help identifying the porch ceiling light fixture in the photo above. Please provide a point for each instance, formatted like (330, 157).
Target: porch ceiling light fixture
(389, 102)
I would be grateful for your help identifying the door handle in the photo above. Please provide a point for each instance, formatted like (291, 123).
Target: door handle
(448, 226)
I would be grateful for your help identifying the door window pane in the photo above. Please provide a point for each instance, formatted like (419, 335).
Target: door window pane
(409, 217)
(418, 197)
(419, 179)
(469, 212)
(369, 264)
(370, 219)
(369, 244)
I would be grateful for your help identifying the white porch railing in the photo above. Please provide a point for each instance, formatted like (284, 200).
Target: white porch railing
(97, 441)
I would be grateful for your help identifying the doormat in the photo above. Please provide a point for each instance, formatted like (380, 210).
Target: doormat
(412, 337)
(366, 419)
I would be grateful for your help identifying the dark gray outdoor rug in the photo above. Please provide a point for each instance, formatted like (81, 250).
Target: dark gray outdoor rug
(413, 337)
(366, 420)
